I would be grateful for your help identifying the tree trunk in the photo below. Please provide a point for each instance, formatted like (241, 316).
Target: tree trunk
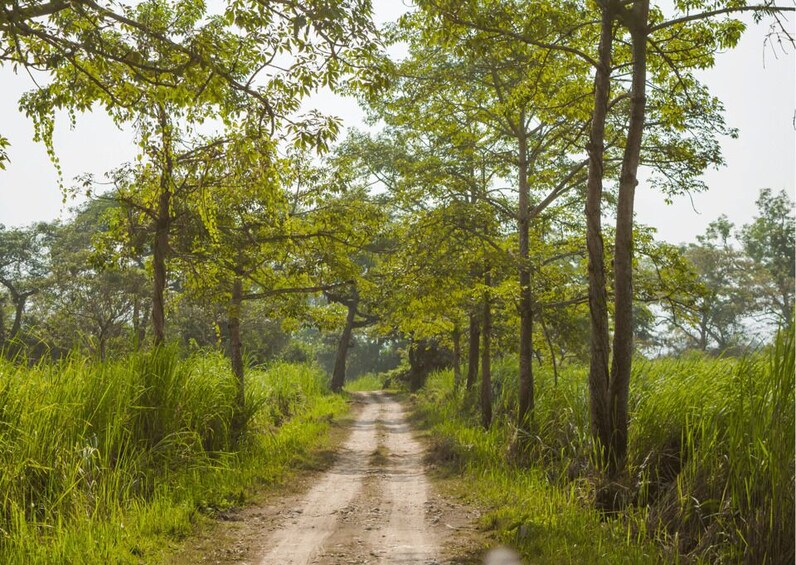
(473, 351)
(598, 295)
(474, 345)
(159, 252)
(457, 358)
(623, 252)
(486, 367)
(102, 339)
(787, 305)
(525, 413)
(136, 324)
(236, 351)
(426, 357)
(19, 311)
(162, 228)
(338, 376)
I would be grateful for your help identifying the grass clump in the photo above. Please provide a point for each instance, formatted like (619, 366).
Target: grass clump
(728, 494)
(107, 461)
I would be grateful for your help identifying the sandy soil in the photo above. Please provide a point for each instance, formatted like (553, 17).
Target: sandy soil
(373, 505)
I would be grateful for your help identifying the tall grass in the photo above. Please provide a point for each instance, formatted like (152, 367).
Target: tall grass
(99, 461)
(733, 499)
(549, 523)
(710, 469)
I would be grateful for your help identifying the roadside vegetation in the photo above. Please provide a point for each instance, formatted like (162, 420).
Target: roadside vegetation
(710, 465)
(116, 462)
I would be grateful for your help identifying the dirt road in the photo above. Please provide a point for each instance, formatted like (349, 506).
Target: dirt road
(374, 505)
(371, 506)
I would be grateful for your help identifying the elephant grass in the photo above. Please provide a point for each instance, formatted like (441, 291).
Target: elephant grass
(709, 476)
(117, 461)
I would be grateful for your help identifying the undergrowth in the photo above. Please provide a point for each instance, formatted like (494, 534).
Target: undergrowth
(710, 469)
(113, 462)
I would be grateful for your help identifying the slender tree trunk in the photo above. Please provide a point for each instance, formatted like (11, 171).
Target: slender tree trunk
(457, 358)
(159, 253)
(136, 324)
(623, 252)
(473, 351)
(525, 413)
(598, 296)
(236, 351)
(142, 328)
(338, 376)
(139, 324)
(486, 366)
(784, 313)
(786, 309)
(102, 344)
(474, 337)
(162, 228)
(19, 311)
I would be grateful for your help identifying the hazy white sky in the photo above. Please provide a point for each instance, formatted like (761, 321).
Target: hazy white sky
(756, 84)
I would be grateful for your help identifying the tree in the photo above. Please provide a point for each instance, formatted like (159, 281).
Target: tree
(191, 65)
(510, 100)
(88, 296)
(24, 264)
(679, 45)
(98, 49)
(769, 242)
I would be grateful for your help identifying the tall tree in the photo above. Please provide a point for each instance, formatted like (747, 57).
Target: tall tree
(688, 39)
(97, 50)
(190, 65)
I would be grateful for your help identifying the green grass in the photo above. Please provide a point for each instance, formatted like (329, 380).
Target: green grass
(115, 462)
(546, 522)
(710, 467)
(366, 382)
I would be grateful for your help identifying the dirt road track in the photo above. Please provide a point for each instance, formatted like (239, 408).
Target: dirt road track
(371, 506)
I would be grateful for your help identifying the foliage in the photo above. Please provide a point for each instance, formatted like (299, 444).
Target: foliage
(24, 263)
(459, 219)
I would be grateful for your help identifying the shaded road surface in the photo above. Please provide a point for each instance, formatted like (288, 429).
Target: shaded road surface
(370, 507)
